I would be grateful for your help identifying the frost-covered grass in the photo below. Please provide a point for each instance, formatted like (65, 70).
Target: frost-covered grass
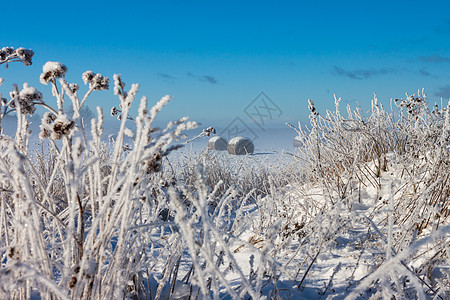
(361, 210)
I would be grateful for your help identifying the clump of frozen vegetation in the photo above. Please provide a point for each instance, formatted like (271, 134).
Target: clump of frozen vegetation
(361, 211)
(78, 223)
(9, 55)
(384, 187)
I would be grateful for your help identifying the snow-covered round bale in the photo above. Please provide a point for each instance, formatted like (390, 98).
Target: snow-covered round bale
(240, 146)
(217, 143)
(297, 141)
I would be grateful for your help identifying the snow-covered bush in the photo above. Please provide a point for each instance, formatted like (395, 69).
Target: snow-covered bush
(388, 171)
(247, 174)
(84, 219)
(75, 223)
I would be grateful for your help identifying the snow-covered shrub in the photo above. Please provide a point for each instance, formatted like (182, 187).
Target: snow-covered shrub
(246, 174)
(389, 171)
(210, 231)
(75, 223)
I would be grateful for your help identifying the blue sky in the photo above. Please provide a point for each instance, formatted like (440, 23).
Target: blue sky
(214, 58)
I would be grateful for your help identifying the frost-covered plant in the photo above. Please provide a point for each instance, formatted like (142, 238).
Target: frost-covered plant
(246, 173)
(74, 228)
(28, 95)
(399, 159)
(209, 229)
(97, 82)
(51, 71)
(9, 54)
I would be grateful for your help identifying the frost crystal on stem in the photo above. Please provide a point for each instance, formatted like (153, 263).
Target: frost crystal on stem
(74, 87)
(97, 82)
(26, 98)
(52, 70)
(56, 127)
(9, 54)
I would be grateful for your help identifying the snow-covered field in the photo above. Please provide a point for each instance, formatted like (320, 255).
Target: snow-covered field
(360, 210)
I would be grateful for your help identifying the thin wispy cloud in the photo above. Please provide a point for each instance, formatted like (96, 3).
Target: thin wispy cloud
(444, 27)
(166, 77)
(443, 91)
(362, 73)
(204, 78)
(435, 58)
(288, 63)
(417, 41)
(209, 79)
(424, 72)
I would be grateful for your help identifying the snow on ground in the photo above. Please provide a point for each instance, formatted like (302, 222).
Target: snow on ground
(355, 229)
(358, 241)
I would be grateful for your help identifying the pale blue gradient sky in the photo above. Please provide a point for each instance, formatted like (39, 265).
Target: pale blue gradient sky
(216, 57)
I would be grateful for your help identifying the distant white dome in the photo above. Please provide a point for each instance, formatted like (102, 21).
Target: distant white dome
(217, 143)
(297, 141)
(240, 146)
